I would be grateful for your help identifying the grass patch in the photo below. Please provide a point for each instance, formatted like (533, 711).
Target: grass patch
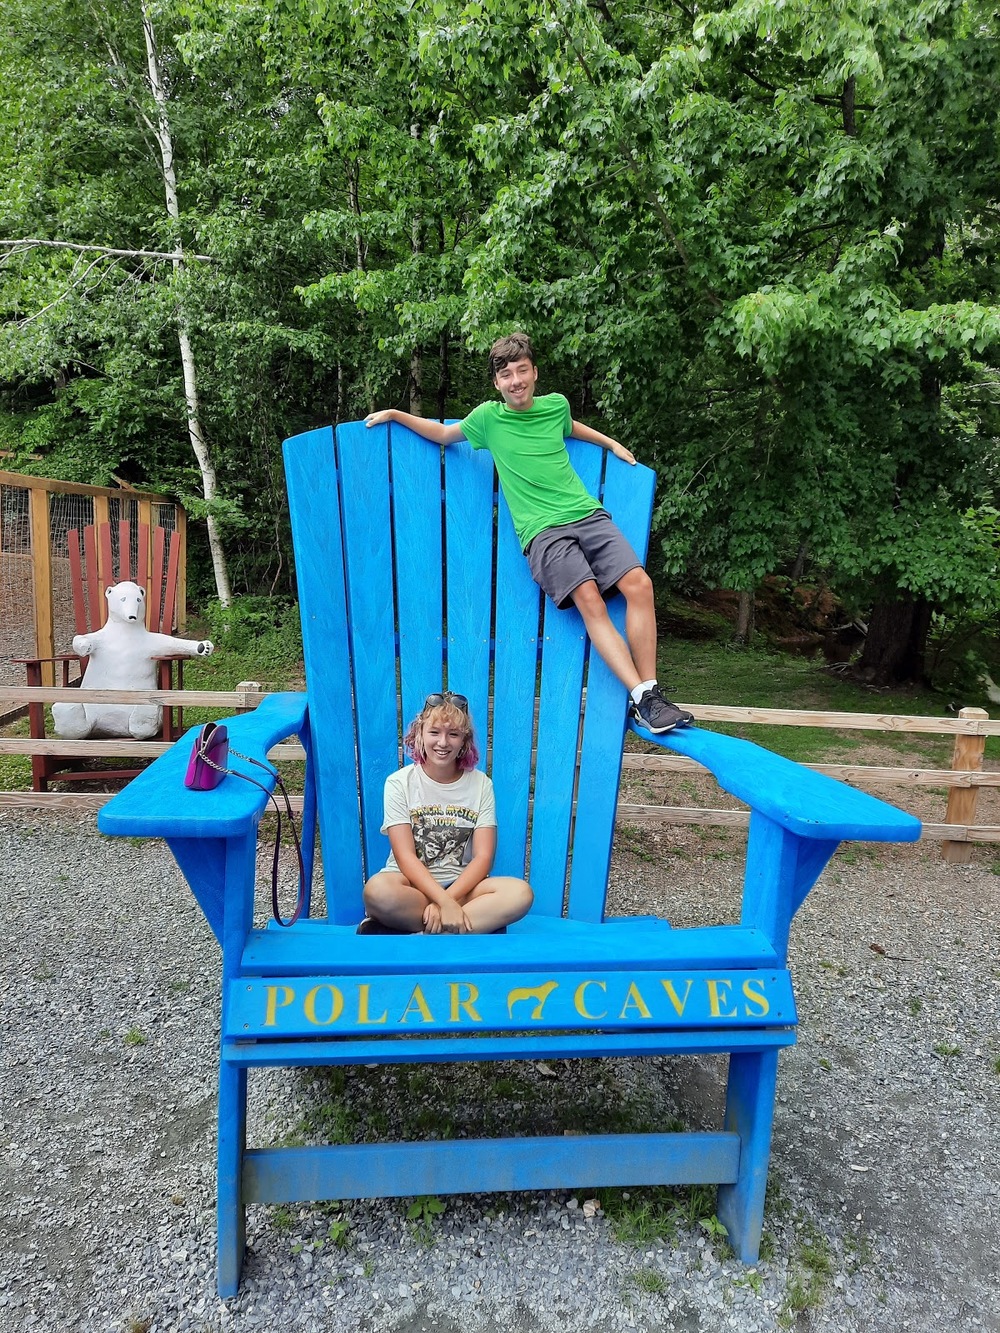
(946, 1050)
(711, 673)
(809, 1277)
(659, 1213)
(15, 769)
(649, 1280)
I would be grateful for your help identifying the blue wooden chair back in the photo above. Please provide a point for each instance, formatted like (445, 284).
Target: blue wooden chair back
(411, 579)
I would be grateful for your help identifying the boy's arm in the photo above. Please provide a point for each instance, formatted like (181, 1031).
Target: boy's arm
(582, 432)
(435, 431)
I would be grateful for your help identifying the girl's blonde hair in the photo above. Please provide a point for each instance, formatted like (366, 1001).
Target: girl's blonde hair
(449, 715)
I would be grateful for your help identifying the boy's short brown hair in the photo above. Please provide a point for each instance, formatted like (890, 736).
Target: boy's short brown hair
(515, 347)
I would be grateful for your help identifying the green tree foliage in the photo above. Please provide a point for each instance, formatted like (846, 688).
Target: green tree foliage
(766, 229)
(757, 239)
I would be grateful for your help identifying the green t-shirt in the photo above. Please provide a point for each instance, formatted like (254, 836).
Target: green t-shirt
(539, 484)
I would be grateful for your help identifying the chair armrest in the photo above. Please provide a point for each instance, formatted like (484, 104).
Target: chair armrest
(36, 661)
(807, 803)
(156, 804)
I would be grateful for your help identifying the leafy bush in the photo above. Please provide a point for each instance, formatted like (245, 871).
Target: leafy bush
(264, 629)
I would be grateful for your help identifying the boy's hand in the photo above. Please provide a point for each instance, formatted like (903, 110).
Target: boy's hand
(383, 418)
(624, 454)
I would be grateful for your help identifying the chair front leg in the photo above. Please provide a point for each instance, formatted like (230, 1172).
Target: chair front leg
(231, 1208)
(750, 1114)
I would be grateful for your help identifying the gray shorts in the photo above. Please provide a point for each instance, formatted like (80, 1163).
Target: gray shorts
(562, 558)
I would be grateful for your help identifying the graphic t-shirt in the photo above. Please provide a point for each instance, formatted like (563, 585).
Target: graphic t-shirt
(529, 450)
(442, 815)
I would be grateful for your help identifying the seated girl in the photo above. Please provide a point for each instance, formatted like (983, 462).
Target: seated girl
(440, 816)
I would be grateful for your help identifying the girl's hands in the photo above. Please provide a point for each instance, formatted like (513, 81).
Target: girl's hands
(447, 918)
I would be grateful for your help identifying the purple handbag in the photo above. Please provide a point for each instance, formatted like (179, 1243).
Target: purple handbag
(209, 764)
(209, 757)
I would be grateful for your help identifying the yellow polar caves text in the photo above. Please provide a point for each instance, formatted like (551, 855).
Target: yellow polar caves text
(442, 1003)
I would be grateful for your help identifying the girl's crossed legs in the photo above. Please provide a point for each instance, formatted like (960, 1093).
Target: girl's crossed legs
(494, 903)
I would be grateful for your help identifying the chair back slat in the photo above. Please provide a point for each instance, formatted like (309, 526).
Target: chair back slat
(96, 605)
(124, 551)
(154, 602)
(628, 496)
(80, 618)
(168, 618)
(416, 495)
(469, 505)
(142, 557)
(564, 651)
(378, 587)
(515, 666)
(314, 505)
(364, 470)
(105, 562)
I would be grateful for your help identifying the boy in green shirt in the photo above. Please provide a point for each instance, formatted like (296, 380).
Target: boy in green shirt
(575, 552)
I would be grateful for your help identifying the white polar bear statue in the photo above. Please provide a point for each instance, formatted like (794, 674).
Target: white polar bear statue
(122, 656)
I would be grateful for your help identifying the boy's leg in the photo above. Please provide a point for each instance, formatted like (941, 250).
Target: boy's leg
(496, 902)
(603, 635)
(640, 621)
(573, 564)
(649, 706)
(650, 709)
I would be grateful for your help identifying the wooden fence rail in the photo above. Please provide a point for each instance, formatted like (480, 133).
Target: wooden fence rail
(958, 831)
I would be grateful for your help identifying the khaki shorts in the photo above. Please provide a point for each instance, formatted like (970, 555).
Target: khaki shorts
(562, 558)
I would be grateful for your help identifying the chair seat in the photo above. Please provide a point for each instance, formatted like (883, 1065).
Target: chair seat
(535, 943)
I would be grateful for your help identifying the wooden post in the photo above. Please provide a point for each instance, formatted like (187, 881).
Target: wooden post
(967, 757)
(41, 574)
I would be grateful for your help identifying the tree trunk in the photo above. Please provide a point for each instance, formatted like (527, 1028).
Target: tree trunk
(444, 376)
(354, 197)
(416, 383)
(196, 435)
(799, 568)
(747, 617)
(896, 646)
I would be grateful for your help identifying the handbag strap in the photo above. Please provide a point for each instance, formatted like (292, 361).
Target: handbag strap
(271, 772)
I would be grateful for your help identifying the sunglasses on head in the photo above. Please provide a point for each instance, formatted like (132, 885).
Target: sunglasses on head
(446, 697)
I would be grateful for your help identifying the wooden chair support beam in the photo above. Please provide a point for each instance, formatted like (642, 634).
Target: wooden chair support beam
(399, 596)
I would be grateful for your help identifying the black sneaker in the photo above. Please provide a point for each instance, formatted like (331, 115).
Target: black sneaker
(372, 927)
(656, 714)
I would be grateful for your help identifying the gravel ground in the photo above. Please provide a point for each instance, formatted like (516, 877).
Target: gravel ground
(884, 1193)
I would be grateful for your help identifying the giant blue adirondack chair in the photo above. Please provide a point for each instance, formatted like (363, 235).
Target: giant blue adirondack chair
(410, 578)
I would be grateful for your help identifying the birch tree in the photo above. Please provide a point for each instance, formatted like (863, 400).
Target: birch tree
(199, 446)
(77, 311)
